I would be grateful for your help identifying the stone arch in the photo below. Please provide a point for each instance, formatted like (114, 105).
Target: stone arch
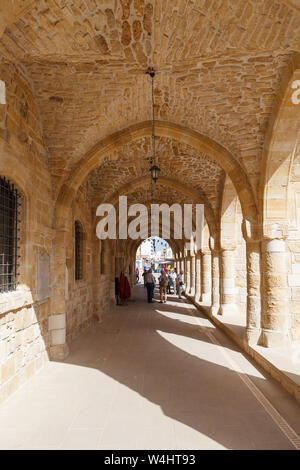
(171, 241)
(277, 197)
(128, 254)
(162, 129)
(134, 244)
(279, 152)
(195, 196)
(113, 201)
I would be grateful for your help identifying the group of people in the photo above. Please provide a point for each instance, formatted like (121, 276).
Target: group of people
(166, 281)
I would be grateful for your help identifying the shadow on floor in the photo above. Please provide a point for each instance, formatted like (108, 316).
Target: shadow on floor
(190, 380)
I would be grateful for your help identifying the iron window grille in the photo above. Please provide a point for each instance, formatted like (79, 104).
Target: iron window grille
(78, 251)
(9, 204)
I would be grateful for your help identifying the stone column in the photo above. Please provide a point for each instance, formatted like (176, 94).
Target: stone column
(133, 275)
(182, 264)
(197, 278)
(193, 275)
(187, 275)
(227, 280)
(253, 330)
(111, 271)
(215, 277)
(275, 299)
(206, 277)
(57, 320)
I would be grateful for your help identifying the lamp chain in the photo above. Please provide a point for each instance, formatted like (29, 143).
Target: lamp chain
(153, 163)
(153, 130)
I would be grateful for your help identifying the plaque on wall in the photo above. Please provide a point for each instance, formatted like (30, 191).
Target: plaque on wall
(43, 276)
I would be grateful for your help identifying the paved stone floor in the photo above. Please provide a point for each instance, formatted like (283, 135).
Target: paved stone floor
(148, 377)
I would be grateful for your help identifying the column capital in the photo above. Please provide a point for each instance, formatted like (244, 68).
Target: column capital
(275, 245)
(251, 231)
(214, 244)
(275, 230)
(227, 247)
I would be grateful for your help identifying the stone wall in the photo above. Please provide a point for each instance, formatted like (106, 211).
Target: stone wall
(24, 332)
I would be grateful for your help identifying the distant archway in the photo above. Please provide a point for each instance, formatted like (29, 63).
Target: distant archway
(162, 129)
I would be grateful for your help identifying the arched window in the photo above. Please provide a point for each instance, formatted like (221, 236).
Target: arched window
(78, 251)
(9, 200)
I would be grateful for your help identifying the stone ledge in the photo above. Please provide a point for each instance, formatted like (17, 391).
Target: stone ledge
(276, 361)
(15, 300)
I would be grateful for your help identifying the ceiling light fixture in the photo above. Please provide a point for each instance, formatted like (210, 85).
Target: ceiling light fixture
(154, 169)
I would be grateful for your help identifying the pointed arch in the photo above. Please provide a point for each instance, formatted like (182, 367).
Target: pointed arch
(204, 144)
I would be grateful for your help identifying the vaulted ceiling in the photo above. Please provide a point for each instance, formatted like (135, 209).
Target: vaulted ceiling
(219, 65)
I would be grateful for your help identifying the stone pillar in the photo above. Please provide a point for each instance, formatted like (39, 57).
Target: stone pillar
(253, 255)
(215, 277)
(110, 264)
(197, 278)
(275, 299)
(193, 275)
(57, 320)
(182, 265)
(187, 274)
(228, 289)
(206, 277)
(253, 330)
(133, 275)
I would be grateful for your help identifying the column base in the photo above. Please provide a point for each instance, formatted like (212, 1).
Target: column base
(274, 339)
(227, 309)
(252, 336)
(206, 298)
(59, 352)
(214, 309)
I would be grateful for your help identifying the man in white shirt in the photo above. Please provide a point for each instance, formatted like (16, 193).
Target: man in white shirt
(150, 283)
(174, 279)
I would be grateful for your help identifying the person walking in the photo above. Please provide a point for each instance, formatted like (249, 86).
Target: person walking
(144, 276)
(137, 275)
(180, 284)
(163, 283)
(150, 283)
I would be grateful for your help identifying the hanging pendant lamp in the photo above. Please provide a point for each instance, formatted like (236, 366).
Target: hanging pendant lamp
(154, 169)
